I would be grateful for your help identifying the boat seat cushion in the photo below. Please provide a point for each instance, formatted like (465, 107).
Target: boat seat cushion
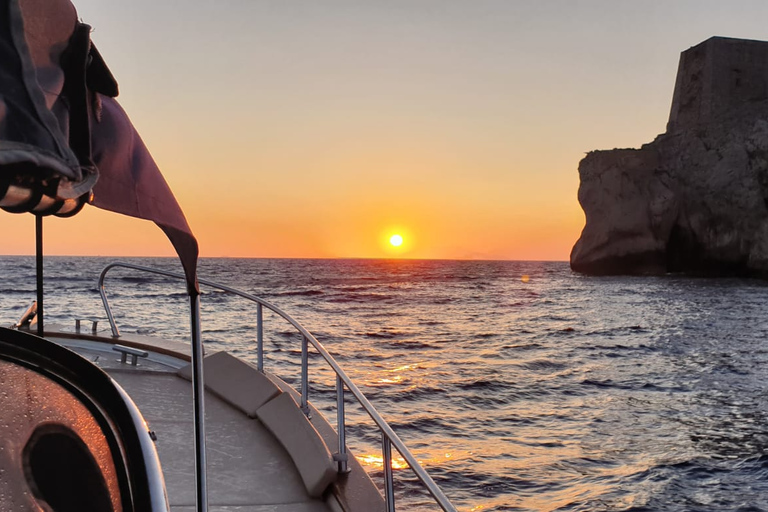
(290, 426)
(235, 381)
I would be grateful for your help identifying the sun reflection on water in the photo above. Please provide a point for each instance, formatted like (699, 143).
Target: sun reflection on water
(397, 379)
(403, 368)
(377, 462)
(405, 375)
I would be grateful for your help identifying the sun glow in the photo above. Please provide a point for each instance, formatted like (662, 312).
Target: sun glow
(396, 240)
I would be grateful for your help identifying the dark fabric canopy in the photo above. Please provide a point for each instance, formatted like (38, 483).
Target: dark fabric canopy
(130, 183)
(63, 136)
(43, 54)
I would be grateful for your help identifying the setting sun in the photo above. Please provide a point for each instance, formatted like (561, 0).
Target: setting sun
(396, 240)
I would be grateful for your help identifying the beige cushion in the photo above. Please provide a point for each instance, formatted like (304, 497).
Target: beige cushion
(284, 419)
(235, 381)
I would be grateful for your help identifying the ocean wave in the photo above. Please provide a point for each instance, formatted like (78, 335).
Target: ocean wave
(297, 293)
(386, 334)
(18, 291)
(607, 383)
(154, 296)
(544, 365)
(483, 385)
(424, 425)
(624, 330)
(138, 279)
(364, 298)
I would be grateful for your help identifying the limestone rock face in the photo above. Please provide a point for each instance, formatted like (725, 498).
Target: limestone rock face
(695, 199)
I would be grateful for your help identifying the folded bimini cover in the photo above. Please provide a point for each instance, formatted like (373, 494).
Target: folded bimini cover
(62, 131)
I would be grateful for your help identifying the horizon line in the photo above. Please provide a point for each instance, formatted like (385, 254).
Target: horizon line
(281, 258)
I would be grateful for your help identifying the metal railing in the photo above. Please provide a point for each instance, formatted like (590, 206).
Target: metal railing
(388, 437)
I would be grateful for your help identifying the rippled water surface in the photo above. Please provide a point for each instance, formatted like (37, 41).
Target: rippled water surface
(519, 385)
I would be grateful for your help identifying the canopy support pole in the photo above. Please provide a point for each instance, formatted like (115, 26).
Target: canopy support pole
(39, 265)
(198, 400)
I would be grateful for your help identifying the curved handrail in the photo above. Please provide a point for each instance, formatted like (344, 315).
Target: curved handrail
(388, 435)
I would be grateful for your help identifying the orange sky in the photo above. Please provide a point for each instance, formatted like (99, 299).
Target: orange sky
(317, 129)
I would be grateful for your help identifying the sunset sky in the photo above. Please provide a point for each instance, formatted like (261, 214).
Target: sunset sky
(321, 128)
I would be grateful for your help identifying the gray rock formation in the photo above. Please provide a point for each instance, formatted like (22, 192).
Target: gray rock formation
(694, 200)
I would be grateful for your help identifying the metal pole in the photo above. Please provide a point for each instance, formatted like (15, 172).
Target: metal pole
(341, 426)
(198, 401)
(259, 338)
(39, 264)
(304, 376)
(389, 485)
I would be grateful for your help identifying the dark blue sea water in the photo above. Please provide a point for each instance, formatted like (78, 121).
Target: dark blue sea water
(519, 385)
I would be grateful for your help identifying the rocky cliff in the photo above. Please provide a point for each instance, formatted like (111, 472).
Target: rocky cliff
(694, 200)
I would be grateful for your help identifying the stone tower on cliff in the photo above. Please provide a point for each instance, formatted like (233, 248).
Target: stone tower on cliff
(716, 76)
(695, 199)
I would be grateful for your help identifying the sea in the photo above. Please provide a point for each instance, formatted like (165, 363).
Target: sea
(517, 385)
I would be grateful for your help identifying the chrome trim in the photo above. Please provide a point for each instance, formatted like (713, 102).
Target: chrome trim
(305, 377)
(260, 337)
(129, 351)
(341, 427)
(389, 487)
(389, 436)
(155, 477)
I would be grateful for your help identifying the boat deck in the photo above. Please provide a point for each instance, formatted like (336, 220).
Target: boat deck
(248, 469)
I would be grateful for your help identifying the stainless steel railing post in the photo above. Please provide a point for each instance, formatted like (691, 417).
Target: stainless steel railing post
(198, 403)
(341, 426)
(39, 273)
(304, 376)
(389, 484)
(107, 308)
(259, 338)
